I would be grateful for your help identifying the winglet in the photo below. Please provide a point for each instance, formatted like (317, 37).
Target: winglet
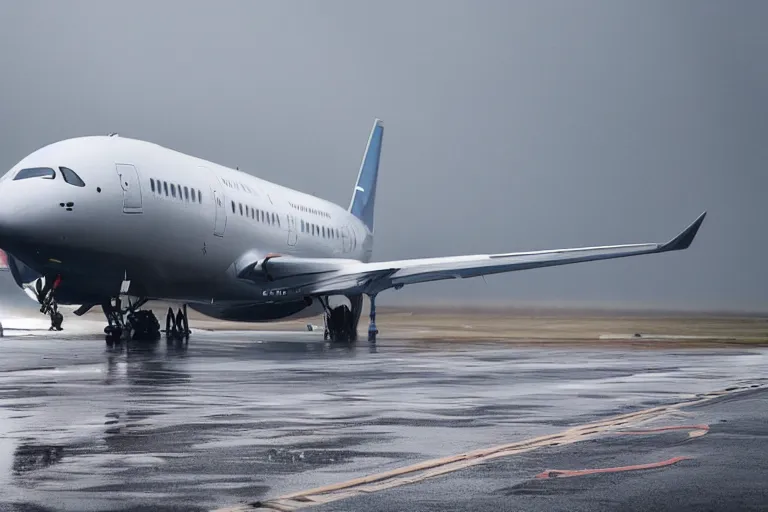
(684, 239)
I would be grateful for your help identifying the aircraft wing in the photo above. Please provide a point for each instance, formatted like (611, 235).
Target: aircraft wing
(326, 276)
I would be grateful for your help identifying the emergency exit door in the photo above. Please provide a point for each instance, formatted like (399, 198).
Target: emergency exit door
(220, 223)
(129, 182)
(292, 234)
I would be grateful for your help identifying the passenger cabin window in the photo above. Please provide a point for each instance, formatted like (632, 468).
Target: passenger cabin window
(173, 190)
(186, 193)
(71, 177)
(165, 187)
(152, 184)
(35, 172)
(199, 197)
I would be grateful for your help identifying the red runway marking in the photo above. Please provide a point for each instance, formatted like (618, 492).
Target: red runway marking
(561, 473)
(663, 429)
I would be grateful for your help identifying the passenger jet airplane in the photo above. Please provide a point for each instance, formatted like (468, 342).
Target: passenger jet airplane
(114, 222)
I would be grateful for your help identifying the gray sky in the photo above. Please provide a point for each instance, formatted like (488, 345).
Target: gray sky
(509, 125)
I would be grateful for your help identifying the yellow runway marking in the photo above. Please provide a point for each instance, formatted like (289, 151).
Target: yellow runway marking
(436, 467)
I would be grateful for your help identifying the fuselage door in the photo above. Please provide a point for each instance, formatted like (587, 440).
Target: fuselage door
(220, 223)
(129, 181)
(292, 235)
(346, 241)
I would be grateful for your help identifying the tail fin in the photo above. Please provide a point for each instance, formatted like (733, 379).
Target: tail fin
(364, 196)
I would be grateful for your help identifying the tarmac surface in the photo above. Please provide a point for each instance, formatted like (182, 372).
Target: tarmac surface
(236, 418)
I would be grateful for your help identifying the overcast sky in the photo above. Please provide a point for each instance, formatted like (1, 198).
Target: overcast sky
(508, 125)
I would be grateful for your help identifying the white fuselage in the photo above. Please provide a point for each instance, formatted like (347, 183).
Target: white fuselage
(171, 223)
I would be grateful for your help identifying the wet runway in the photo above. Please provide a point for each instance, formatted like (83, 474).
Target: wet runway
(241, 417)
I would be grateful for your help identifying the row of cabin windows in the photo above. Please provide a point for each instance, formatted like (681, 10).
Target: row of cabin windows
(313, 211)
(270, 218)
(321, 231)
(176, 191)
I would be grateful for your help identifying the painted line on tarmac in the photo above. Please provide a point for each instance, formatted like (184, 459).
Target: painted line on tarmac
(444, 465)
(694, 430)
(566, 473)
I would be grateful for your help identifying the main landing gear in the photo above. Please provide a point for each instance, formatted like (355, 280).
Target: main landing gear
(129, 322)
(372, 330)
(341, 321)
(177, 327)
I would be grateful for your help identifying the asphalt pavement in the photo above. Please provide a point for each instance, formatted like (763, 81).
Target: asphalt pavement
(247, 417)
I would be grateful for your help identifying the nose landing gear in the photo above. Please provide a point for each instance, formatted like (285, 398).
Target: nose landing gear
(48, 306)
(56, 319)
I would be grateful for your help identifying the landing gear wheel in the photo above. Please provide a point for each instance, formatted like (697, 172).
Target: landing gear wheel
(56, 320)
(341, 321)
(46, 296)
(144, 325)
(113, 334)
(129, 322)
(340, 325)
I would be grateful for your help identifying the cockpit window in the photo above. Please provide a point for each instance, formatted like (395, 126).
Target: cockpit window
(35, 172)
(71, 177)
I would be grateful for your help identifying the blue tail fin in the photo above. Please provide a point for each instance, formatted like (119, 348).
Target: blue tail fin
(364, 196)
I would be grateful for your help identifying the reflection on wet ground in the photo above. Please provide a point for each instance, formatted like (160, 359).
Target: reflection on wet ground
(236, 416)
